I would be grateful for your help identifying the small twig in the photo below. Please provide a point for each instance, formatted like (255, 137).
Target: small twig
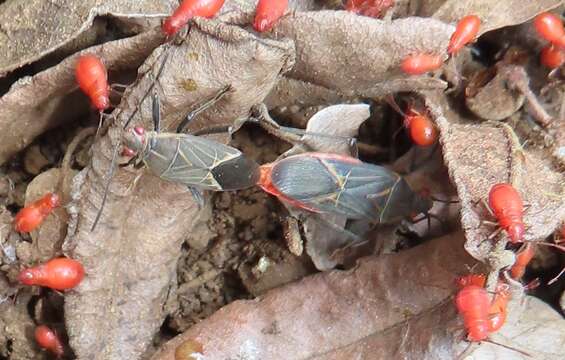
(518, 80)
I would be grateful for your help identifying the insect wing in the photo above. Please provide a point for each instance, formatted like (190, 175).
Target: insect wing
(198, 162)
(396, 203)
(333, 185)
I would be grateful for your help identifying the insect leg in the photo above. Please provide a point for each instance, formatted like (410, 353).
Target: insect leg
(201, 107)
(197, 195)
(156, 112)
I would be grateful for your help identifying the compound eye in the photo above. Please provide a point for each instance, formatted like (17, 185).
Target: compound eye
(139, 130)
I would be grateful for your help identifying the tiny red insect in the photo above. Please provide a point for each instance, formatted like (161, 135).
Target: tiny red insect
(552, 56)
(371, 8)
(550, 27)
(48, 340)
(31, 216)
(92, 79)
(422, 130)
(472, 279)
(267, 13)
(421, 63)
(497, 310)
(523, 258)
(189, 9)
(506, 204)
(465, 32)
(473, 304)
(58, 274)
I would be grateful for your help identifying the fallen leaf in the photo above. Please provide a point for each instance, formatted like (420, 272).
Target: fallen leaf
(43, 101)
(324, 41)
(130, 259)
(325, 313)
(479, 156)
(494, 14)
(33, 29)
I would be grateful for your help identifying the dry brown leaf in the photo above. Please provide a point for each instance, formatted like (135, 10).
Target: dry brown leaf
(324, 313)
(331, 46)
(130, 259)
(35, 104)
(479, 156)
(33, 29)
(296, 92)
(494, 14)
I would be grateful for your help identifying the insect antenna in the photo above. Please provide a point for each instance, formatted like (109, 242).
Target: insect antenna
(203, 106)
(107, 186)
(150, 88)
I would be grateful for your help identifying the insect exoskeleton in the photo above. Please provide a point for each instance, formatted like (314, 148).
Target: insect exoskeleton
(338, 184)
(191, 160)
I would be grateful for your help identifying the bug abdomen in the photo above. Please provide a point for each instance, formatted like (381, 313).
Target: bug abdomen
(473, 304)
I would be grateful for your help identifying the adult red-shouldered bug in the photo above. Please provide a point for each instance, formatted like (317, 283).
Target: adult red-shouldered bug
(338, 184)
(197, 162)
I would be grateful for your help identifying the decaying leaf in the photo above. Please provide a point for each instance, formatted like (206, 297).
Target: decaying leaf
(130, 259)
(32, 29)
(321, 314)
(35, 104)
(494, 14)
(479, 156)
(324, 41)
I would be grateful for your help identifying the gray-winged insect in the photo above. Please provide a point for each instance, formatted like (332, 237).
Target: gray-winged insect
(197, 162)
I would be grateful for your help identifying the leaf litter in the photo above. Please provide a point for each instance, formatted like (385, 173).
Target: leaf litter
(387, 305)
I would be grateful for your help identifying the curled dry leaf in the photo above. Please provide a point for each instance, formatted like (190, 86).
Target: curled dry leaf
(494, 14)
(31, 34)
(479, 156)
(325, 39)
(35, 104)
(324, 313)
(130, 259)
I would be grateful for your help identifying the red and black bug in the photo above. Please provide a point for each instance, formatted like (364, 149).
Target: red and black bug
(421, 63)
(49, 340)
(59, 274)
(523, 258)
(197, 162)
(189, 9)
(508, 209)
(465, 32)
(267, 13)
(370, 8)
(31, 216)
(338, 184)
(92, 78)
(550, 27)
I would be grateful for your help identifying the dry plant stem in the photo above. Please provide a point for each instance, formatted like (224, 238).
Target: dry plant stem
(66, 163)
(518, 79)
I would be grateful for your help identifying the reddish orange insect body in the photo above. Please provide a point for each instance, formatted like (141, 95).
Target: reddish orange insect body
(550, 27)
(473, 279)
(420, 64)
(189, 9)
(47, 339)
(31, 216)
(58, 274)
(422, 130)
(267, 13)
(371, 8)
(473, 304)
(523, 258)
(497, 310)
(552, 56)
(92, 79)
(506, 204)
(465, 32)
